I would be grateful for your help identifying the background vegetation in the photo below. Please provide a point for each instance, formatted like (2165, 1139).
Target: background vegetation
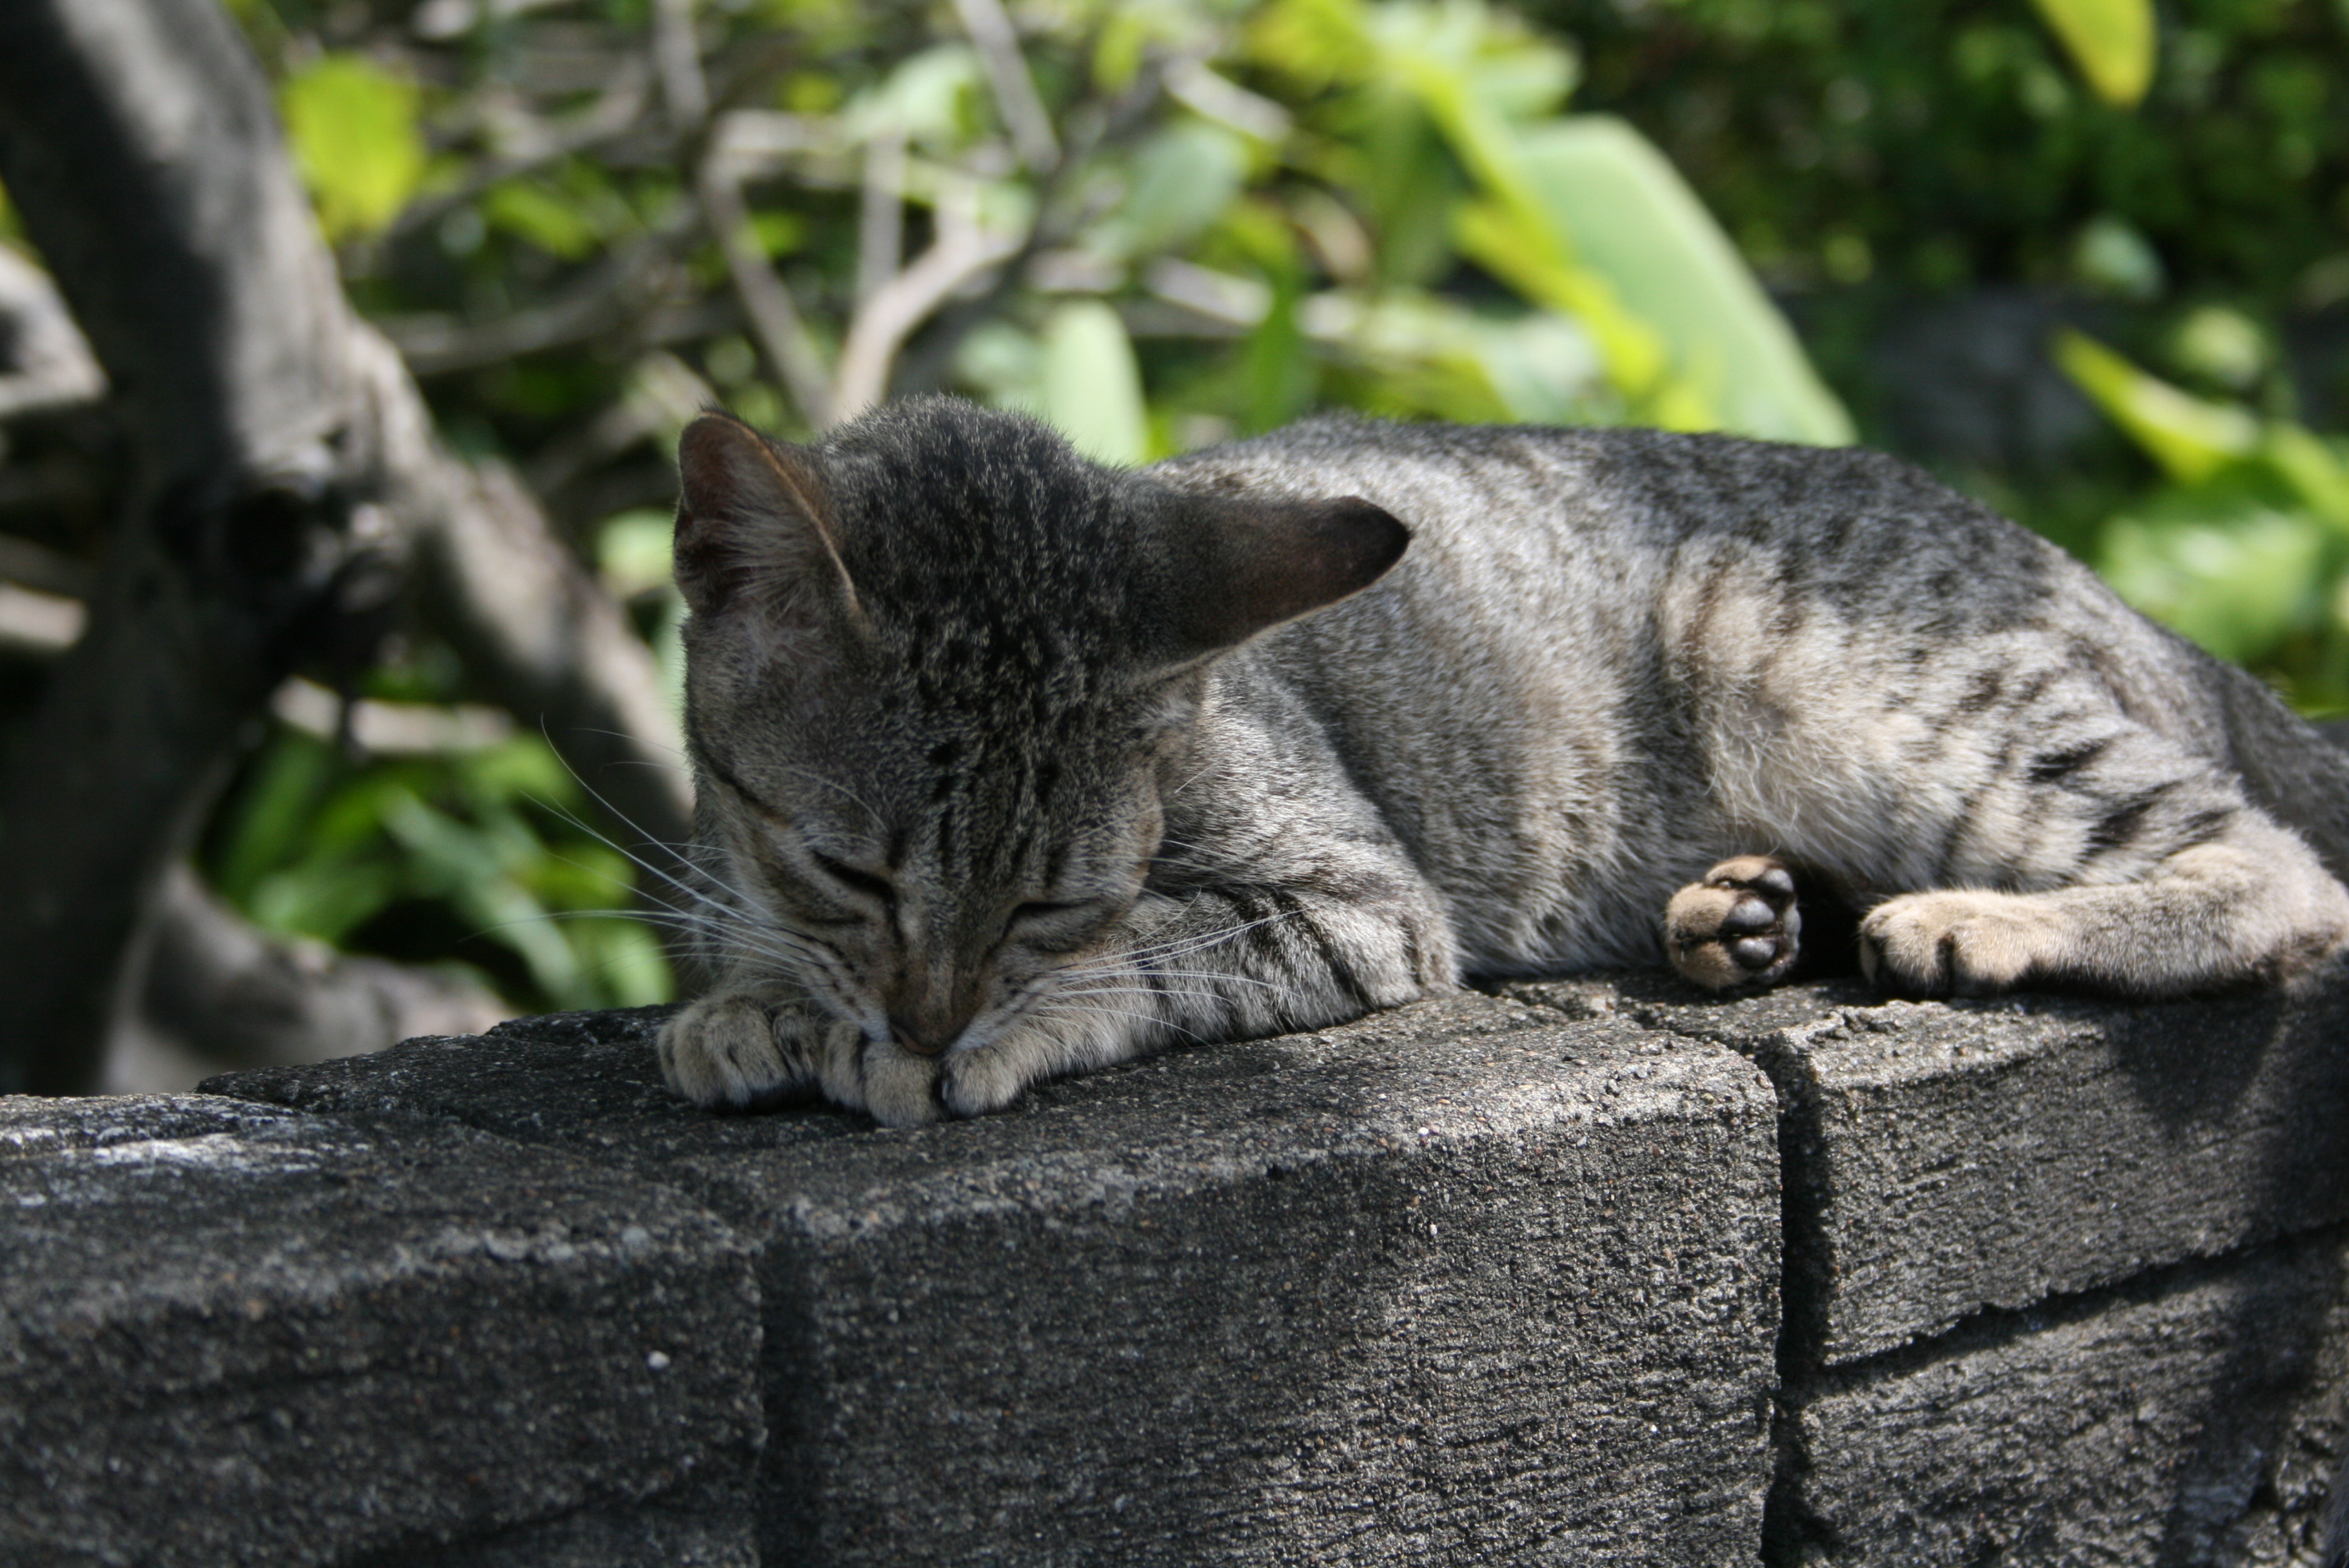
(2088, 262)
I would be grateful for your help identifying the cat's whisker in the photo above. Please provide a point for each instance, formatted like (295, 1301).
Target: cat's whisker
(1223, 975)
(733, 936)
(1177, 947)
(854, 798)
(1186, 783)
(676, 751)
(1127, 1016)
(1139, 991)
(680, 884)
(1218, 976)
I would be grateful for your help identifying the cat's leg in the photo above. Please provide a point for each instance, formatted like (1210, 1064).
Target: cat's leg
(756, 1047)
(2254, 903)
(1210, 964)
(1742, 926)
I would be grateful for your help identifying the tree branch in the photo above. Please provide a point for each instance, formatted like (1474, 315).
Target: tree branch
(44, 361)
(210, 993)
(990, 29)
(775, 321)
(961, 252)
(537, 634)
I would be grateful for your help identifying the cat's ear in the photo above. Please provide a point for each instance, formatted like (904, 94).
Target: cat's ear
(754, 523)
(1253, 564)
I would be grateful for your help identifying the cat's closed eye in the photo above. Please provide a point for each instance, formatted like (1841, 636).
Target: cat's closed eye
(869, 884)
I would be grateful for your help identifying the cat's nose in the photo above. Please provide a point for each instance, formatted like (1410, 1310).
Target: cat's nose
(921, 1042)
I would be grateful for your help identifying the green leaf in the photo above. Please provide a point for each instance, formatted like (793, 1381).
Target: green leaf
(275, 816)
(353, 126)
(2111, 41)
(1091, 388)
(1181, 181)
(931, 99)
(1632, 220)
(323, 899)
(2190, 438)
(632, 551)
(2232, 573)
(532, 213)
(1276, 365)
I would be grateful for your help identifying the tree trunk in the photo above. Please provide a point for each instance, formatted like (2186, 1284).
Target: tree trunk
(286, 475)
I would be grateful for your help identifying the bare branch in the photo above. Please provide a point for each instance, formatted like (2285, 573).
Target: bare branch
(990, 29)
(391, 728)
(678, 53)
(663, 396)
(283, 462)
(1191, 83)
(44, 361)
(137, 145)
(775, 322)
(961, 252)
(37, 625)
(610, 298)
(210, 993)
(881, 215)
(1091, 124)
(535, 630)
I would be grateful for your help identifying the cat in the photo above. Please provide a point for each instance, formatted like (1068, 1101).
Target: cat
(1011, 766)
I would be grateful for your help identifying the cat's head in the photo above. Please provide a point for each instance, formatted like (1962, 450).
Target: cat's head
(941, 671)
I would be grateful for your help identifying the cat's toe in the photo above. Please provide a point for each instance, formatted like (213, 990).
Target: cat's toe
(727, 1052)
(1740, 927)
(981, 1082)
(897, 1088)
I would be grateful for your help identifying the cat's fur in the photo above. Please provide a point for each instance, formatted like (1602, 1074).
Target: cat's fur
(1011, 766)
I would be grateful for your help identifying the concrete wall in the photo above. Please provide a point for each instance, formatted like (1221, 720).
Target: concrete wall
(1588, 1272)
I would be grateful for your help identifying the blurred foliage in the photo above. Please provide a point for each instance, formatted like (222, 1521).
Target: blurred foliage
(477, 857)
(1937, 144)
(1166, 222)
(2111, 41)
(2244, 545)
(353, 126)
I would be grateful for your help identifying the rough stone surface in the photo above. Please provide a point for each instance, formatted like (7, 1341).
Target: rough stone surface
(236, 1335)
(1945, 1157)
(2193, 1417)
(1463, 1281)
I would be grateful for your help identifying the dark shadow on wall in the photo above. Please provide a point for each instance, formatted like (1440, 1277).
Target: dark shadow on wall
(2283, 1102)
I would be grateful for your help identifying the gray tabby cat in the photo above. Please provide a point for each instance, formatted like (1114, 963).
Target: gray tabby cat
(1012, 766)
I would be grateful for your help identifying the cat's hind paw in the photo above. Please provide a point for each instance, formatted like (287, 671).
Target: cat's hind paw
(1739, 928)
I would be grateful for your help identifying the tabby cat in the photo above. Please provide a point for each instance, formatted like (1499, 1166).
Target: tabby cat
(1011, 766)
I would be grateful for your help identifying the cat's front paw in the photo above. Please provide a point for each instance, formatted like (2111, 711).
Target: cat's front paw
(992, 1077)
(1950, 944)
(750, 1050)
(1740, 927)
(743, 1050)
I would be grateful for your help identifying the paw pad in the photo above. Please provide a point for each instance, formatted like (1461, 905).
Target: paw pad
(1739, 927)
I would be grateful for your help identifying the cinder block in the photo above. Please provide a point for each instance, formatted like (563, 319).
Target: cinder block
(236, 1335)
(1946, 1157)
(1463, 1281)
(2192, 1417)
